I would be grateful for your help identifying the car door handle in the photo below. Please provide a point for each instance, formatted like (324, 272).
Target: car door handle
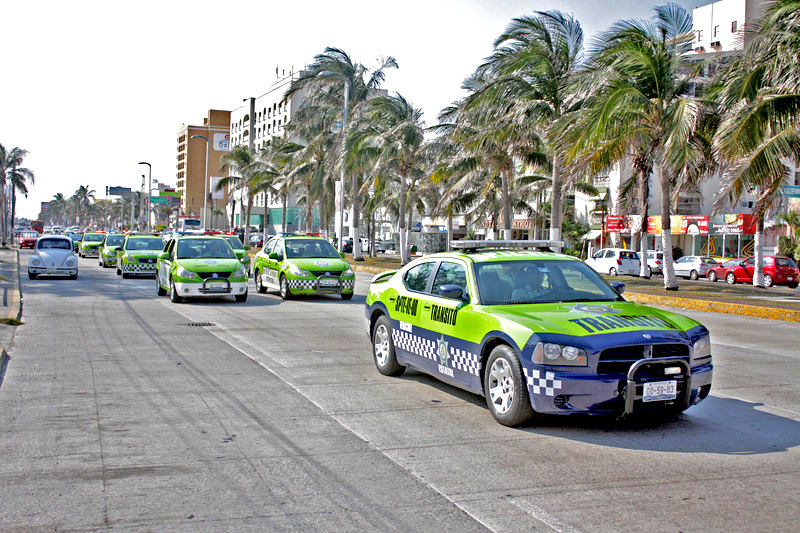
(391, 298)
(426, 306)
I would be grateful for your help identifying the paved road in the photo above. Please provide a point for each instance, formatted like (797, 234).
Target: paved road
(116, 413)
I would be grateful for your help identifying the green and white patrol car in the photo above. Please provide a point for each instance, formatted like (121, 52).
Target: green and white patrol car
(302, 265)
(198, 266)
(107, 256)
(535, 332)
(89, 245)
(138, 255)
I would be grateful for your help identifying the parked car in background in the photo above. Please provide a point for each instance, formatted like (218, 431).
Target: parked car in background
(27, 239)
(107, 256)
(694, 266)
(54, 255)
(76, 237)
(778, 270)
(615, 261)
(655, 262)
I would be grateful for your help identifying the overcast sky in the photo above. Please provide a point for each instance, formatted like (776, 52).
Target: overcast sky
(90, 88)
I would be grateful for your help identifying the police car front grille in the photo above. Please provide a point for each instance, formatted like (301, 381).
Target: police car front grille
(205, 275)
(619, 359)
(319, 273)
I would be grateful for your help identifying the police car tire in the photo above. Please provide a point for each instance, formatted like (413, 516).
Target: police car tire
(385, 362)
(125, 275)
(159, 289)
(348, 296)
(519, 410)
(119, 271)
(241, 297)
(173, 293)
(259, 285)
(286, 294)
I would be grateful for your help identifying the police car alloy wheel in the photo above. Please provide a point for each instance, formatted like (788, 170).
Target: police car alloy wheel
(159, 289)
(286, 294)
(506, 390)
(241, 297)
(259, 285)
(383, 349)
(173, 293)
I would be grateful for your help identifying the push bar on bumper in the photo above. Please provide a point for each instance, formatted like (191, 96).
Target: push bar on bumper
(630, 389)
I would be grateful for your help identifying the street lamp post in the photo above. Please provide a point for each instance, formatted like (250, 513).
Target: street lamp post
(149, 185)
(205, 184)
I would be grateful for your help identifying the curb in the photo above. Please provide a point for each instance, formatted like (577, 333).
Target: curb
(708, 306)
(15, 305)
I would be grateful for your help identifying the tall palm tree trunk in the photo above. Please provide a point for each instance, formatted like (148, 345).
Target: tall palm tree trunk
(555, 202)
(505, 178)
(357, 253)
(644, 203)
(670, 281)
(404, 256)
(758, 273)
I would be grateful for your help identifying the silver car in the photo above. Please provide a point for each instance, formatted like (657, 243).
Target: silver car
(694, 266)
(53, 256)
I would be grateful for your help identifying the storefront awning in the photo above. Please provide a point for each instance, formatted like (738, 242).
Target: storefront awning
(592, 235)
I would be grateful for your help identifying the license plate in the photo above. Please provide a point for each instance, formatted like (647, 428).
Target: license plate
(216, 285)
(329, 282)
(660, 390)
(52, 271)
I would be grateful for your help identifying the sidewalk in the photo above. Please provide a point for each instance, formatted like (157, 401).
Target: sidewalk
(11, 298)
(776, 303)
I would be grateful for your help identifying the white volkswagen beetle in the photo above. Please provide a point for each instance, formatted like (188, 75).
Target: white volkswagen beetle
(53, 256)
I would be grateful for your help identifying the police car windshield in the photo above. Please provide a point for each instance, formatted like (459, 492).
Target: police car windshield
(234, 241)
(204, 249)
(115, 240)
(144, 243)
(94, 237)
(299, 248)
(546, 281)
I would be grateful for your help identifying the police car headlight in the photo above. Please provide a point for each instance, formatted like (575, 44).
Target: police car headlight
(559, 354)
(702, 347)
(240, 273)
(348, 272)
(296, 271)
(183, 273)
(128, 257)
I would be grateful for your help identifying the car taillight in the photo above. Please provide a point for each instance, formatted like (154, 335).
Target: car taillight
(619, 261)
(658, 262)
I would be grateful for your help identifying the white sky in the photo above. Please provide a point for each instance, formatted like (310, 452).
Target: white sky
(90, 88)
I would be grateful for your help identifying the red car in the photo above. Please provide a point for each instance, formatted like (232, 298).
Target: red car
(777, 271)
(27, 239)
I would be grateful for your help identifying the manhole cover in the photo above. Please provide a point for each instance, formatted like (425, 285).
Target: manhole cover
(200, 324)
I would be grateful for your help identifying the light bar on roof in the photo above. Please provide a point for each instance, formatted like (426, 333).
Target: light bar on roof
(509, 244)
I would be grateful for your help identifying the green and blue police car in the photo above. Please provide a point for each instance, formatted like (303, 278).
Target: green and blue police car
(89, 245)
(200, 266)
(138, 255)
(535, 332)
(107, 256)
(302, 265)
(239, 250)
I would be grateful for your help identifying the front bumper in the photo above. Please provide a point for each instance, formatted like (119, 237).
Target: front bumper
(321, 285)
(90, 252)
(198, 289)
(555, 392)
(53, 271)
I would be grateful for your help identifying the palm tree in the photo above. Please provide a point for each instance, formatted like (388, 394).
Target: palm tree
(249, 175)
(83, 199)
(760, 98)
(57, 210)
(641, 101)
(333, 78)
(11, 173)
(533, 71)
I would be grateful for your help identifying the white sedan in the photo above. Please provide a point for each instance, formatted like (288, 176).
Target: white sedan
(53, 256)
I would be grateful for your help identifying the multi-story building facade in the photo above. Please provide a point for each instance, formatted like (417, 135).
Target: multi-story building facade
(190, 167)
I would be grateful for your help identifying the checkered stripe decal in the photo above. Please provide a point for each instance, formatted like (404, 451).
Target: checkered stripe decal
(303, 284)
(547, 385)
(139, 268)
(348, 283)
(415, 344)
(461, 360)
(466, 361)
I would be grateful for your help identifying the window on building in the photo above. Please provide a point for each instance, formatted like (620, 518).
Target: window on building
(699, 36)
(734, 27)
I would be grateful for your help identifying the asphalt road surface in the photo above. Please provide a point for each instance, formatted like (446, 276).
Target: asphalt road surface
(120, 409)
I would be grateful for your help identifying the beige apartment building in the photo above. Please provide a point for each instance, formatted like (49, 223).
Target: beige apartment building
(191, 164)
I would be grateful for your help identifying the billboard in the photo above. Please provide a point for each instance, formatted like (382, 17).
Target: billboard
(216, 194)
(222, 142)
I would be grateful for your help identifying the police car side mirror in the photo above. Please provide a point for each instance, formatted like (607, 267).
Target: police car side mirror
(451, 291)
(118, 249)
(163, 256)
(246, 247)
(341, 254)
(618, 286)
(273, 255)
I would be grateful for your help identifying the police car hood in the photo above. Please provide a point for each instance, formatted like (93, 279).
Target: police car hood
(211, 264)
(143, 253)
(594, 318)
(320, 263)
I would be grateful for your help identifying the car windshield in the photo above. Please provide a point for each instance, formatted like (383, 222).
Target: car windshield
(50, 244)
(298, 248)
(75, 236)
(94, 237)
(215, 248)
(545, 281)
(30, 234)
(115, 240)
(234, 241)
(144, 243)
